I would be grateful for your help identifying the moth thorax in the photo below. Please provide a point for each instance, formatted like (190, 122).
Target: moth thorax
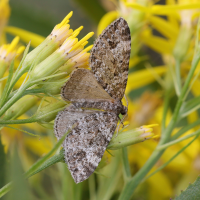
(120, 109)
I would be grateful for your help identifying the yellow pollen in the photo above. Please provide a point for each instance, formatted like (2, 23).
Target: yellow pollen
(88, 48)
(65, 20)
(89, 35)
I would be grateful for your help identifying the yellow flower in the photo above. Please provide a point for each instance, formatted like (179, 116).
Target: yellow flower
(59, 53)
(148, 109)
(70, 48)
(10, 51)
(176, 47)
(143, 77)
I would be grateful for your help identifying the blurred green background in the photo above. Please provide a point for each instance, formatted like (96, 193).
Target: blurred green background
(41, 16)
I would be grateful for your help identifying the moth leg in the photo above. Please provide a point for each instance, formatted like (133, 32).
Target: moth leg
(121, 122)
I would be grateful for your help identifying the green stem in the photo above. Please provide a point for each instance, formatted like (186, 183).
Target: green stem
(5, 189)
(131, 185)
(28, 92)
(35, 118)
(166, 104)
(78, 191)
(16, 97)
(126, 165)
(41, 164)
(178, 77)
(185, 129)
(19, 121)
(171, 159)
(137, 179)
(164, 146)
(51, 161)
(54, 159)
(92, 189)
(190, 106)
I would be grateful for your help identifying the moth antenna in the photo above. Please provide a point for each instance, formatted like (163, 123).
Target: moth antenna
(126, 100)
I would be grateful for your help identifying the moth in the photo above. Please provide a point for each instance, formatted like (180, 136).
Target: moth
(96, 101)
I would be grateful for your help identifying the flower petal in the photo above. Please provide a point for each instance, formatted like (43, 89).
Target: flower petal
(106, 20)
(143, 77)
(25, 36)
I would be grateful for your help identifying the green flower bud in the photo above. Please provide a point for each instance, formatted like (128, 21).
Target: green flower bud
(182, 43)
(20, 107)
(131, 137)
(7, 53)
(70, 48)
(53, 88)
(49, 112)
(58, 35)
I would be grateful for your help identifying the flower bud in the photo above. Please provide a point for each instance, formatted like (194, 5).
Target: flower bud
(53, 87)
(20, 107)
(7, 53)
(49, 112)
(50, 44)
(70, 48)
(131, 137)
(185, 34)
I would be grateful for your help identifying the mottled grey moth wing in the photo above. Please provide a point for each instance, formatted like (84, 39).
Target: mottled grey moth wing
(101, 88)
(85, 145)
(82, 86)
(65, 119)
(109, 58)
(83, 90)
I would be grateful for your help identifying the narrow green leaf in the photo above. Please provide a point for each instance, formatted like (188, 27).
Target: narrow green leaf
(19, 190)
(125, 161)
(6, 89)
(171, 159)
(176, 84)
(2, 165)
(44, 159)
(191, 193)
(190, 106)
(23, 131)
(185, 129)
(51, 161)
(107, 185)
(21, 62)
(92, 187)
(166, 145)
(178, 76)
(38, 166)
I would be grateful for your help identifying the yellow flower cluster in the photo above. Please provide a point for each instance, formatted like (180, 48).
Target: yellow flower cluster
(53, 60)
(47, 67)
(176, 47)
